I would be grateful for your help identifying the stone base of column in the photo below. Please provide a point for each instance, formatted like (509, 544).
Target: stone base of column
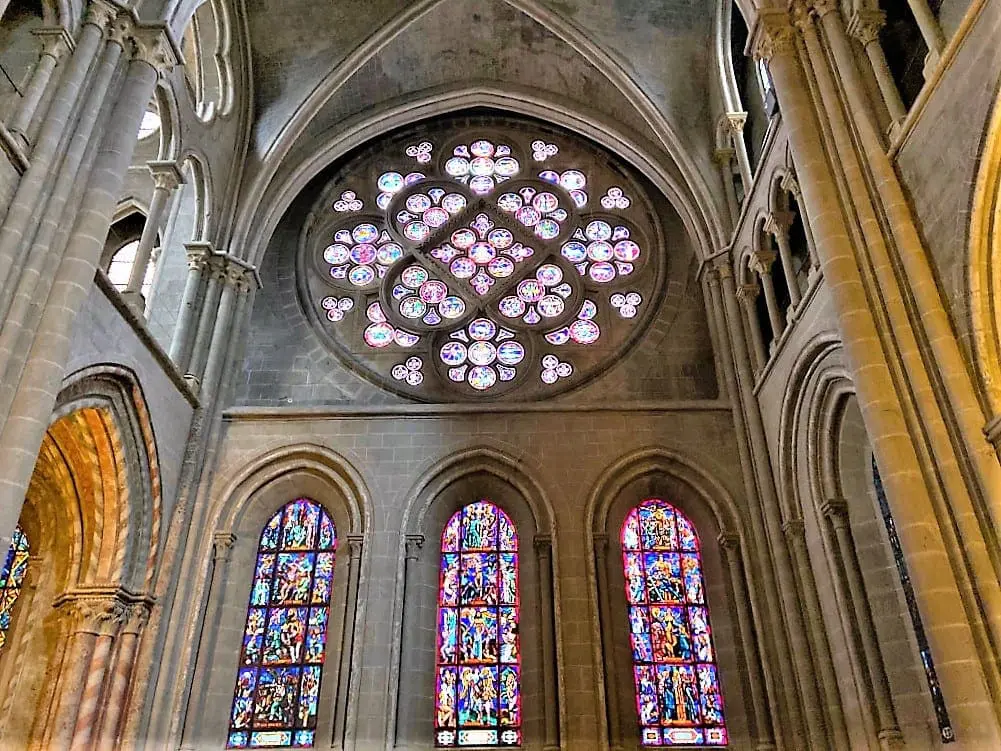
(193, 383)
(136, 301)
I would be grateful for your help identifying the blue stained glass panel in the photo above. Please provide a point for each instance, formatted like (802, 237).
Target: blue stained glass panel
(278, 684)
(478, 688)
(678, 699)
(15, 566)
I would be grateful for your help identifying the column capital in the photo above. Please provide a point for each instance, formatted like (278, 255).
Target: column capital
(222, 545)
(835, 509)
(543, 545)
(601, 543)
(778, 223)
(723, 266)
(992, 431)
(100, 614)
(802, 13)
(865, 25)
(773, 34)
(794, 530)
(166, 174)
(413, 544)
(56, 41)
(791, 184)
(724, 156)
(762, 260)
(729, 542)
(823, 7)
(198, 253)
(100, 13)
(154, 44)
(356, 543)
(136, 617)
(736, 122)
(748, 292)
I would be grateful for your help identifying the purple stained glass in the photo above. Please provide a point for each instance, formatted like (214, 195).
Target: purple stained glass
(478, 655)
(678, 697)
(281, 660)
(15, 566)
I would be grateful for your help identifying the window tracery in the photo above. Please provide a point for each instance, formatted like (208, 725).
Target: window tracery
(478, 651)
(11, 579)
(478, 252)
(284, 641)
(678, 698)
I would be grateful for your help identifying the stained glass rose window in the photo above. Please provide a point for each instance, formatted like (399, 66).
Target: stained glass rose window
(481, 261)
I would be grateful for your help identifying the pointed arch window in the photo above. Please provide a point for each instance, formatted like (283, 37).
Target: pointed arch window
(478, 656)
(11, 579)
(678, 697)
(284, 641)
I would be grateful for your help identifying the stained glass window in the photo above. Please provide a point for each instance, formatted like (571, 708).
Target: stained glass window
(475, 262)
(946, 733)
(678, 697)
(281, 659)
(478, 656)
(15, 566)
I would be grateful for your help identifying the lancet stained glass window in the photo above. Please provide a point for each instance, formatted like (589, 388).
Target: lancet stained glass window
(15, 566)
(478, 656)
(678, 697)
(284, 641)
(474, 259)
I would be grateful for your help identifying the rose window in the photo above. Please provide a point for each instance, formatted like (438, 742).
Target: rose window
(481, 261)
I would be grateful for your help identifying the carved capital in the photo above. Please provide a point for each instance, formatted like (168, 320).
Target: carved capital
(736, 122)
(56, 41)
(222, 545)
(865, 25)
(762, 260)
(724, 157)
(791, 184)
(794, 531)
(356, 544)
(543, 545)
(747, 293)
(778, 223)
(802, 14)
(728, 542)
(823, 7)
(102, 615)
(835, 509)
(154, 44)
(136, 617)
(723, 266)
(166, 175)
(773, 34)
(198, 254)
(413, 544)
(120, 30)
(100, 13)
(992, 431)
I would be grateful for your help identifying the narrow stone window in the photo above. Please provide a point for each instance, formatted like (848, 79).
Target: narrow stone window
(478, 657)
(927, 662)
(11, 578)
(284, 641)
(678, 698)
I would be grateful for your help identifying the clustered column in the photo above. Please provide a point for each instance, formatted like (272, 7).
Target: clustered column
(747, 294)
(761, 263)
(865, 26)
(544, 555)
(56, 43)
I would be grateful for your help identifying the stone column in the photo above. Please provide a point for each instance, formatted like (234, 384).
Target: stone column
(778, 224)
(56, 42)
(166, 177)
(217, 265)
(199, 254)
(724, 158)
(930, 562)
(94, 696)
(865, 26)
(930, 31)
(790, 184)
(76, 697)
(613, 704)
(356, 544)
(761, 262)
(413, 546)
(730, 545)
(836, 510)
(235, 286)
(42, 374)
(24, 206)
(134, 622)
(208, 634)
(737, 120)
(747, 294)
(544, 555)
(792, 650)
(795, 533)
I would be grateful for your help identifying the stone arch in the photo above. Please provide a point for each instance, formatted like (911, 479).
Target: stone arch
(170, 131)
(865, 653)
(985, 275)
(208, 69)
(445, 487)
(93, 511)
(194, 200)
(225, 559)
(678, 479)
